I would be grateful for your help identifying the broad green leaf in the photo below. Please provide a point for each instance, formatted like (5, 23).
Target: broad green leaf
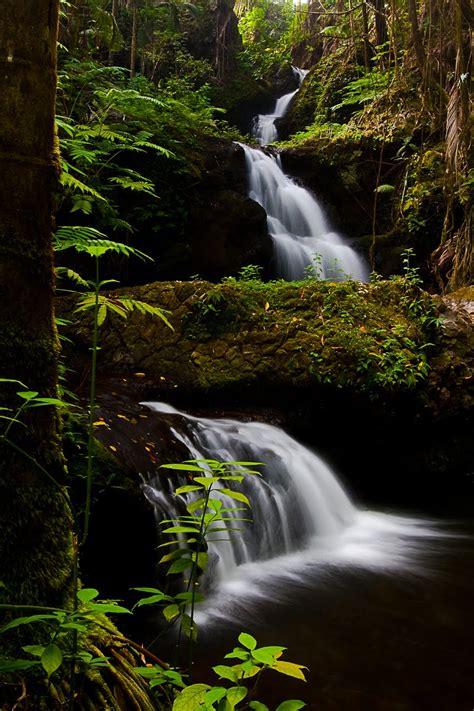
(171, 612)
(74, 626)
(179, 566)
(267, 655)
(258, 706)
(9, 666)
(235, 695)
(174, 554)
(101, 314)
(237, 653)
(27, 621)
(237, 495)
(35, 649)
(87, 594)
(190, 698)
(215, 694)
(201, 560)
(290, 669)
(247, 640)
(186, 489)
(291, 705)
(189, 627)
(27, 394)
(111, 608)
(226, 672)
(51, 659)
(195, 505)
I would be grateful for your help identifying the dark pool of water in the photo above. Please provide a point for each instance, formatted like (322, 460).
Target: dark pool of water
(373, 639)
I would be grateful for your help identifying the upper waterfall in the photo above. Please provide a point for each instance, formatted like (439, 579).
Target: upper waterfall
(264, 129)
(301, 237)
(304, 244)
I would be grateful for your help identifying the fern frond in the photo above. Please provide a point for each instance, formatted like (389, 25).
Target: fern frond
(144, 308)
(76, 185)
(73, 276)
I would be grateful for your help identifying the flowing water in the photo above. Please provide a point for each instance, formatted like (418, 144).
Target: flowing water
(378, 605)
(303, 242)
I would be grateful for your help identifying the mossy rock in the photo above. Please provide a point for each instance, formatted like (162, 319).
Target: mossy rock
(378, 341)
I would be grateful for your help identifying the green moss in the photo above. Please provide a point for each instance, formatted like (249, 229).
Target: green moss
(371, 339)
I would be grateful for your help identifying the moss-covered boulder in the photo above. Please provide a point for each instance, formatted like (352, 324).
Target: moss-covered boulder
(384, 343)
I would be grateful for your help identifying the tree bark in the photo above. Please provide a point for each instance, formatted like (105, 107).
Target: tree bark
(134, 40)
(35, 521)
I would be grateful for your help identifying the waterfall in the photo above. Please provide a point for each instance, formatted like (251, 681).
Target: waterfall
(303, 242)
(297, 498)
(264, 129)
(301, 514)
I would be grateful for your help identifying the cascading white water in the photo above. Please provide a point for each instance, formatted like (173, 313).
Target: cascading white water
(297, 498)
(300, 512)
(301, 236)
(302, 239)
(264, 129)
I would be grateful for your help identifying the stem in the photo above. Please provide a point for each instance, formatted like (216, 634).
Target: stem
(92, 395)
(192, 581)
(75, 586)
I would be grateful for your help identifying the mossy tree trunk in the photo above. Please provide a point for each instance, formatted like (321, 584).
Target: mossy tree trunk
(35, 519)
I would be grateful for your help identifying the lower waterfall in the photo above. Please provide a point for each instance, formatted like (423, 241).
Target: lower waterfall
(301, 514)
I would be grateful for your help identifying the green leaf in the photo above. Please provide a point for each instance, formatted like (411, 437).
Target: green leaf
(179, 566)
(171, 612)
(384, 189)
(189, 627)
(149, 590)
(35, 649)
(191, 697)
(258, 706)
(181, 529)
(226, 672)
(247, 640)
(27, 621)
(237, 653)
(290, 669)
(201, 560)
(152, 600)
(51, 659)
(186, 489)
(237, 495)
(27, 394)
(87, 594)
(215, 694)
(235, 695)
(101, 314)
(267, 655)
(103, 608)
(291, 705)
(9, 666)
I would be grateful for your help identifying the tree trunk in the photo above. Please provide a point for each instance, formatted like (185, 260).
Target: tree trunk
(381, 32)
(114, 13)
(417, 38)
(35, 520)
(367, 48)
(134, 40)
